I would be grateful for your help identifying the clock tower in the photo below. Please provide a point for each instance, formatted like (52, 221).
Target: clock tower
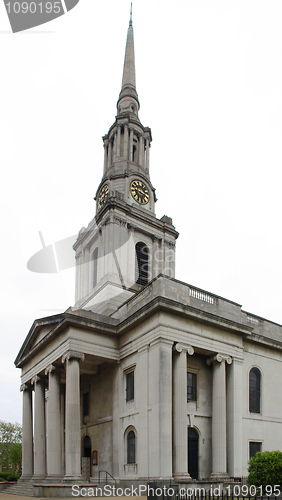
(125, 246)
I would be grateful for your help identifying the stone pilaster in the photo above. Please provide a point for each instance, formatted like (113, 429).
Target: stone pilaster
(118, 141)
(234, 418)
(179, 418)
(73, 440)
(125, 143)
(147, 154)
(27, 430)
(131, 145)
(219, 441)
(39, 428)
(54, 440)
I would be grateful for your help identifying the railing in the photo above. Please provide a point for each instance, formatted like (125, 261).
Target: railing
(107, 474)
(253, 320)
(200, 295)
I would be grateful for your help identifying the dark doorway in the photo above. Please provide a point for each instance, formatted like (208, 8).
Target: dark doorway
(87, 447)
(193, 453)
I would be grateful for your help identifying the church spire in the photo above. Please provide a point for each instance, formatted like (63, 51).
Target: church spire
(128, 98)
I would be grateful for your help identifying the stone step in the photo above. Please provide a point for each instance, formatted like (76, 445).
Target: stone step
(24, 488)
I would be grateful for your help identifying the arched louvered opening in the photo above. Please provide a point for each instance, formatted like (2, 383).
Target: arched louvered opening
(141, 264)
(254, 390)
(95, 267)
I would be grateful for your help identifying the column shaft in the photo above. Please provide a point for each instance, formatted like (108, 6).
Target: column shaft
(118, 141)
(131, 146)
(179, 416)
(219, 441)
(147, 154)
(39, 428)
(54, 440)
(73, 440)
(125, 143)
(27, 429)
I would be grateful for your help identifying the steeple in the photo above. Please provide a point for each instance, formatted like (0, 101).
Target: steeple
(125, 245)
(128, 97)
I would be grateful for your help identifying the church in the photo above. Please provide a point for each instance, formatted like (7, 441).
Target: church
(146, 377)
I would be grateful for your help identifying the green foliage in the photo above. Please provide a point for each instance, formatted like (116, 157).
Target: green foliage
(8, 476)
(265, 468)
(10, 446)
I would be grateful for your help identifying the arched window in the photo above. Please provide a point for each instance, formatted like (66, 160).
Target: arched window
(254, 390)
(131, 447)
(95, 266)
(141, 263)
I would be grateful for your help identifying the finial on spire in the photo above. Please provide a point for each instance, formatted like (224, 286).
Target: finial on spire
(130, 20)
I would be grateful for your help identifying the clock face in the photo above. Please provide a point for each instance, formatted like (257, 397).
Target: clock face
(102, 196)
(139, 192)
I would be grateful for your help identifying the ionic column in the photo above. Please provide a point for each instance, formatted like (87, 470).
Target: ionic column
(219, 445)
(27, 430)
(125, 143)
(131, 145)
(39, 427)
(179, 413)
(54, 440)
(109, 154)
(114, 147)
(147, 153)
(118, 141)
(105, 156)
(73, 440)
(141, 148)
(86, 266)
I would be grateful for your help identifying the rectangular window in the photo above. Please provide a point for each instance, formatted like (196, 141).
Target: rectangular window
(191, 386)
(86, 404)
(130, 386)
(255, 446)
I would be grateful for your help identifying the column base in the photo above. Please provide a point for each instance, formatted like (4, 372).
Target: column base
(39, 477)
(73, 478)
(218, 476)
(54, 478)
(182, 477)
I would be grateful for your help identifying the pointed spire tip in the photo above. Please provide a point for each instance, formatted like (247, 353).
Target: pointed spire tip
(130, 20)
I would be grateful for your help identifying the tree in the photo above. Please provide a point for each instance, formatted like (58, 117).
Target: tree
(10, 446)
(265, 468)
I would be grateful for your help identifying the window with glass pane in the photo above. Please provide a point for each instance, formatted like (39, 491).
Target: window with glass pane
(254, 390)
(130, 386)
(255, 446)
(131, 447)
(191, 386)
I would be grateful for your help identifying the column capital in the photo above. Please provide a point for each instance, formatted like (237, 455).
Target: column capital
(25, 387)
(218, 358)
(51, 368)
(37, 379)
(73, 355)
(183, 348)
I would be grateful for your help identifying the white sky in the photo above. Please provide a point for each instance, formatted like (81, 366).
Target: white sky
(209, 79)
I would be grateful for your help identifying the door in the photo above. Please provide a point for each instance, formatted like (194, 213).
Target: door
(193, 453)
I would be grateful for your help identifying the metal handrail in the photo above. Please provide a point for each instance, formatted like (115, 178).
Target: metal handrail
(107, 474)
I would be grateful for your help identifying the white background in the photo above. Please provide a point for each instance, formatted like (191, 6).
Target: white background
(209, 79)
